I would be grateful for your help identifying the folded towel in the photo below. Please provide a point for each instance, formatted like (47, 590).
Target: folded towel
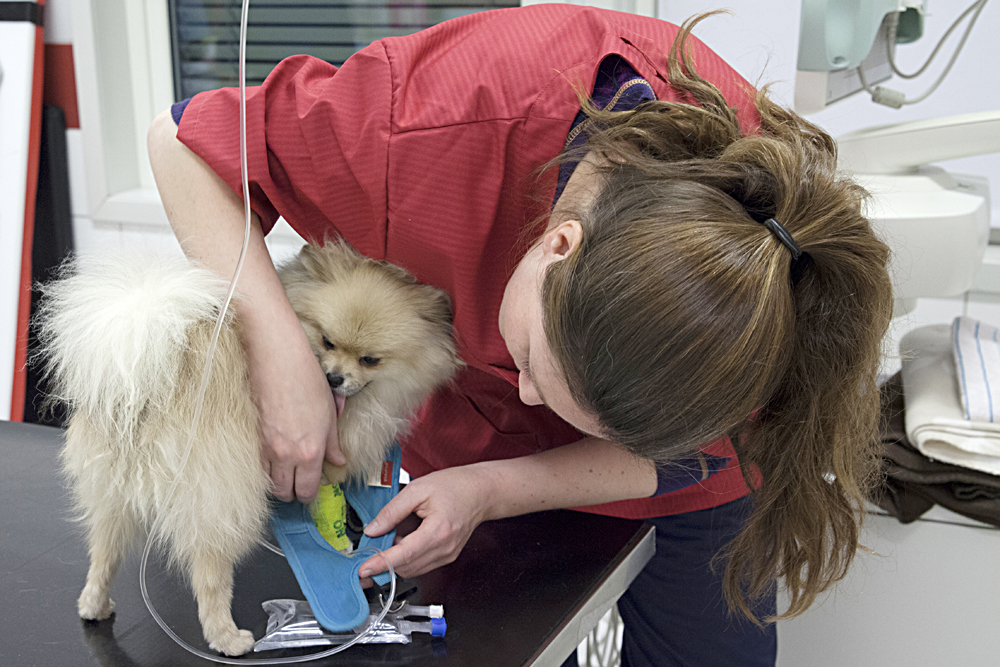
(977, 360)
(913, 483)
(935, 418)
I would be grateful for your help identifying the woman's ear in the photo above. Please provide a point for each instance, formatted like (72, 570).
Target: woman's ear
(560, 242)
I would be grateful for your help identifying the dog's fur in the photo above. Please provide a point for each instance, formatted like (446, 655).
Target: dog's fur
(125, 341)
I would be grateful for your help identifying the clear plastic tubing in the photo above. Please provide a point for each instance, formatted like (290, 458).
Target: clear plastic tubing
(206, 373)
(372, 626)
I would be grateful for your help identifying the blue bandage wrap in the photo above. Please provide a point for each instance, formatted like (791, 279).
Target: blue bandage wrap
(328, 578)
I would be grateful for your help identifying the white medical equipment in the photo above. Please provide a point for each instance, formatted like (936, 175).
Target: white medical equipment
(936, 222)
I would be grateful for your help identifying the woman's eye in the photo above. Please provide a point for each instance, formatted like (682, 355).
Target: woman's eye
(327, 344)
(369, 361)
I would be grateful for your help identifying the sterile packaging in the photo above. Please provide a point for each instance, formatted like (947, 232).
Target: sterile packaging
(291, 624)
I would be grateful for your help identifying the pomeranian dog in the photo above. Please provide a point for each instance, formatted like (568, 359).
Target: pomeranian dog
(125, 340)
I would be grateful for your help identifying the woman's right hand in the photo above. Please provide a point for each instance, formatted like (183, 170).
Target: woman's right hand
(298, 423)
(298, 417)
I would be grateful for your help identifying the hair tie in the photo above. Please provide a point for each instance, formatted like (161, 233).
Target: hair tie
(784, 237)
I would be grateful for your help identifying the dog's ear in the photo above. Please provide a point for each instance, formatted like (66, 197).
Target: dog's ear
(310, 259)
(435, 305)
(327, 263)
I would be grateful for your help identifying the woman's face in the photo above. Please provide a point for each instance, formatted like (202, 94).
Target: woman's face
(521, 326)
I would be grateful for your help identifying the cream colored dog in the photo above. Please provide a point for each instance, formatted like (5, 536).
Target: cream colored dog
(125, 341)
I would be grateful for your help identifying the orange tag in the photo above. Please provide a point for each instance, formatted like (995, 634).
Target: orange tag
(383, 477)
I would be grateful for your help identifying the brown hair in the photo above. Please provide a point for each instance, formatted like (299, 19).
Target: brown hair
(678, 319)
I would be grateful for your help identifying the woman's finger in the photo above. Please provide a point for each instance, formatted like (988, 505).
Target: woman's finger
(307, 481)
(397, 509)
(282, 477)
(419, 552)
(401, 556)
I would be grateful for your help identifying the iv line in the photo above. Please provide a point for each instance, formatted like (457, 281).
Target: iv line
(896, 99)
(894, 24)
(200, 399)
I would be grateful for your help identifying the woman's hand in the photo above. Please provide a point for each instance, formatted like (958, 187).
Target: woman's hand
(451, 502)
(297, 415)
(298, 418)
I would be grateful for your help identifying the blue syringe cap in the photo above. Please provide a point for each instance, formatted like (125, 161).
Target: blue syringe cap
(438, 627)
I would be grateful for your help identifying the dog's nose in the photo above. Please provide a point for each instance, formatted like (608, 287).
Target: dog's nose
(335, 380)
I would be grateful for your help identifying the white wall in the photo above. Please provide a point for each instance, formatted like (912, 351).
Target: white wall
(926, 597)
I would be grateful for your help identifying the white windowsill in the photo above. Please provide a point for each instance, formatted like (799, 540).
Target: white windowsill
(134, 207)
(141, 207)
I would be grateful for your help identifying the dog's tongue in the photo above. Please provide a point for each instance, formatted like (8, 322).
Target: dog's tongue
(339, 400)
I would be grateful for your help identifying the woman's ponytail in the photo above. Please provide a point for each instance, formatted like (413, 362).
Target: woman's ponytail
(811, 447)
(726, 334)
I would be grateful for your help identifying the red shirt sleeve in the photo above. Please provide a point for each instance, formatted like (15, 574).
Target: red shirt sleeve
(328, 127)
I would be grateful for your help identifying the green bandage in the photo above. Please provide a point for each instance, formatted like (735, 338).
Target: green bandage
(329, 511)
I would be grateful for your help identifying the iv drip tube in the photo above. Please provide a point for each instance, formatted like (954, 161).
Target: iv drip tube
(199, 401)
(273, 661)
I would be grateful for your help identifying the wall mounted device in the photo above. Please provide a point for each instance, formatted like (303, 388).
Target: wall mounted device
(937, 223)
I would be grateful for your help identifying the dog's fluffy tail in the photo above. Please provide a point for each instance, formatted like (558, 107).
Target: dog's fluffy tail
(112, 332)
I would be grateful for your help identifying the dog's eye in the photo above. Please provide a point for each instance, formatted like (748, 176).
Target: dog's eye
(369, 361)
(327, 344)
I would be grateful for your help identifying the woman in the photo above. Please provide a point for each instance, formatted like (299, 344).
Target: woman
(689, 267)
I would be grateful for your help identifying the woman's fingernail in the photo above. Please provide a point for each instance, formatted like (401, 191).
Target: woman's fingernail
(371, 528)
(365, 573)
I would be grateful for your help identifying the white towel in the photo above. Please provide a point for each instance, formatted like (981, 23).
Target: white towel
(977, 360)
(934, 416)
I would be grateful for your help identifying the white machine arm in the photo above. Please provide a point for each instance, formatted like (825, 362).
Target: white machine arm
(936, 223)
(900, 148)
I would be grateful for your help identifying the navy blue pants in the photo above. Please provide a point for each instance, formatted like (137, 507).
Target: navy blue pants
(674, 613)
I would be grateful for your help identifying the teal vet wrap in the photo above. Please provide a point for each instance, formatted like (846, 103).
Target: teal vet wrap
(328, 578)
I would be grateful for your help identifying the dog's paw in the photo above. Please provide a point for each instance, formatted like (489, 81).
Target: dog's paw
(234, 642)
(94, 605)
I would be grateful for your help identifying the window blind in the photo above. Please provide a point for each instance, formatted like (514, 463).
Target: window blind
(206, 33)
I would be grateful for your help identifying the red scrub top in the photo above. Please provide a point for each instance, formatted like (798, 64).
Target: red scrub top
(423, 151)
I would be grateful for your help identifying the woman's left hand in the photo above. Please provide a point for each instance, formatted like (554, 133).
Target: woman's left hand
(451, 502)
